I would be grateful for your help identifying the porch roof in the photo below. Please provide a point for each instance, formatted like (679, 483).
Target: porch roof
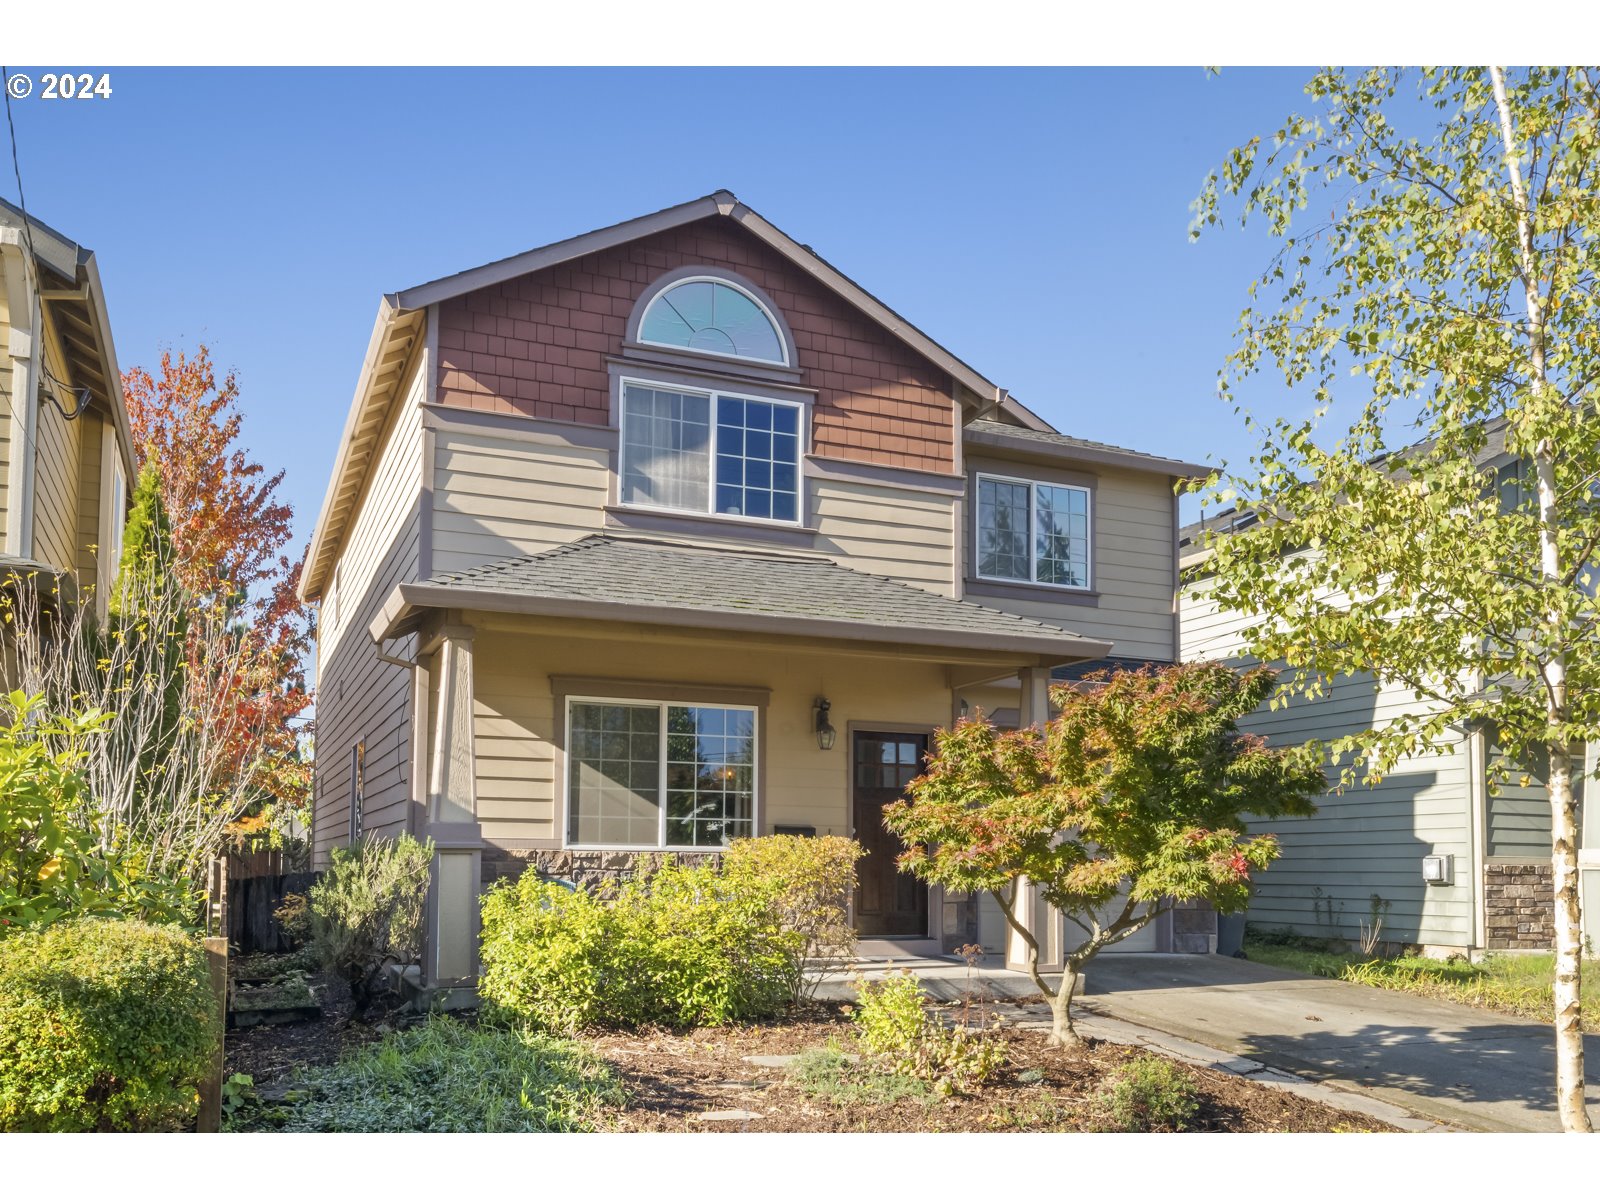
(635, 579)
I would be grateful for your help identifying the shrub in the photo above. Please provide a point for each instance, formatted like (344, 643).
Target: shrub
(831, 1074)
(293, 916)
(366, 911)
(1149, 1094)
(443, 1076)
(104, 1025)
(685, 947)
(813, 878)
(896, 1025)
(52, 863)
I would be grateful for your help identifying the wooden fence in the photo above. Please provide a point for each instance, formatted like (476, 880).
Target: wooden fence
(251, 927)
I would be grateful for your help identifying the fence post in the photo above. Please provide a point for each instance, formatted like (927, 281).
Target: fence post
(216, 944)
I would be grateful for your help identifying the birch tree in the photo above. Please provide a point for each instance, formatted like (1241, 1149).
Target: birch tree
(1434, 297)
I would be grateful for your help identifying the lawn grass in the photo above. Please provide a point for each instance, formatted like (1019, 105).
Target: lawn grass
(445, 1076)
(1519, 985)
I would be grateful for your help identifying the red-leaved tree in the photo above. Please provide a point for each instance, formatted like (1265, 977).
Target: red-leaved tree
(230, 536)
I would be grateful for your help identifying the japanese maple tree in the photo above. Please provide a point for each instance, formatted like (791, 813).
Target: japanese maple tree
(1132, 798)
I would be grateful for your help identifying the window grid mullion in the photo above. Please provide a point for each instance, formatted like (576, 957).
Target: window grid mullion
(661, 777)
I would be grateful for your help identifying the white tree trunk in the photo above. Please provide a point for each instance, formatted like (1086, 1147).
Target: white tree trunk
(1563, 819)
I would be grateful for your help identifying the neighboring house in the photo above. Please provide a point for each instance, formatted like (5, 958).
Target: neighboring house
(1367, 845)
(670, 533)
(65, 451)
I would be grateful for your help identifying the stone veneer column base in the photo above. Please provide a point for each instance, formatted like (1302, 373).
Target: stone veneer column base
(1194, 927)
(1519, 906)
(586, 868)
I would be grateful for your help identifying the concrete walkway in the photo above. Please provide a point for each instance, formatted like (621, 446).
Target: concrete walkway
(1388, 1054)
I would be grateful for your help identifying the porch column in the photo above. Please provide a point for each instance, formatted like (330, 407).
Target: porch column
(452, 945)
(1032, 911)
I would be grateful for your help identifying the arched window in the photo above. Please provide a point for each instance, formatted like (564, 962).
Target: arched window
(713, 317)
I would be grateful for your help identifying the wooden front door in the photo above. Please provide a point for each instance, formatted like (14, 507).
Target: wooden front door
(889, 903)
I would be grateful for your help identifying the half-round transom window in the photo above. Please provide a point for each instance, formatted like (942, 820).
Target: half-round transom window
(714, 318)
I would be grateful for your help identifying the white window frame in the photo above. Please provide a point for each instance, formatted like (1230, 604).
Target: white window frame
(1033, 579)
(661, 773)
(715, 395)
(772, 319)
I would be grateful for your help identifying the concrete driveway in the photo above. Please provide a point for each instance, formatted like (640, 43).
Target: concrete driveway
(1460, 1065)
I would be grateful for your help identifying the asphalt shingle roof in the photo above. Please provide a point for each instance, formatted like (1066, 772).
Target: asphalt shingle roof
(1065, 441)
(606, 570)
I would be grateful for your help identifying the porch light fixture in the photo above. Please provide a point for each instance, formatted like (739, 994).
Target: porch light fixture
(825, 730)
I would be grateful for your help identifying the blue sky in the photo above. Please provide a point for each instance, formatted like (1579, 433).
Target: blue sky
(1034, 221)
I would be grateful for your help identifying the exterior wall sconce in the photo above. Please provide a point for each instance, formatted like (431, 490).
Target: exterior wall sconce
(825, 730)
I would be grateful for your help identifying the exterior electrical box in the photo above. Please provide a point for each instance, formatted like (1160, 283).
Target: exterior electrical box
(1438, 868)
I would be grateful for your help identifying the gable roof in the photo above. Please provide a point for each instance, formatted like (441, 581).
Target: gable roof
(398, 322)
(635, 579)
(73, 301)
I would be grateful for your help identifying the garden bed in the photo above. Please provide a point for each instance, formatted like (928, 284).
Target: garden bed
(674, 1080)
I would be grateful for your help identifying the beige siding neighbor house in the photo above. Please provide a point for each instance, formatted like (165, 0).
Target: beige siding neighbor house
(1447, 864)
(65, 451)
(671, 533)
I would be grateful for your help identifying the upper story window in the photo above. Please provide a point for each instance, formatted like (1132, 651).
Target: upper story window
(1032, 532)
(713, 317)
(710, 452)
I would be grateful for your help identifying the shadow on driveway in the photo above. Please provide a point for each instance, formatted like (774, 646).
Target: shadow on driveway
(1460, 1064)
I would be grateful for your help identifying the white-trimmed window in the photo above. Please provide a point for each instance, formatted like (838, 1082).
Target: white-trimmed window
(649, 774)
(712, 316)
(710, 452)
(1029, 531)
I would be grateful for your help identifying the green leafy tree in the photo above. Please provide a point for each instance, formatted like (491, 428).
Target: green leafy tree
(1133, 797)
(1436, 285)
(146, 604)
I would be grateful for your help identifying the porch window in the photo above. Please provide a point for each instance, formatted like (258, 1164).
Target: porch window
(710, 452)
(674, 776)
(1032, 532)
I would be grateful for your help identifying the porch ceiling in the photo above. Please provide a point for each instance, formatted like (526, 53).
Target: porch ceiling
(626, 579)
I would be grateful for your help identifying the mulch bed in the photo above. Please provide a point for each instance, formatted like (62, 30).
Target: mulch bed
(673, 1078)
(269, 1053)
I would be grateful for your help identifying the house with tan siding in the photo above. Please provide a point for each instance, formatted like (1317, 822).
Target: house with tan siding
(66, 454)
(671, 533)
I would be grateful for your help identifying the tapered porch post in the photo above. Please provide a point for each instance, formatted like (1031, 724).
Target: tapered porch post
(452, 947)
(1032, 911)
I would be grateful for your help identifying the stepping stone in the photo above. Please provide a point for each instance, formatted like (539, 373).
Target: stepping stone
(770, 1060)
(728, 1114)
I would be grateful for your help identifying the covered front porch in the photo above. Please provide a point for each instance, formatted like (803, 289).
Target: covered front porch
(587, 736)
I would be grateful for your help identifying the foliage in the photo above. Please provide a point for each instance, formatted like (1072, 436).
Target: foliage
(682, 947)
(238, 1093)
(814, 878)
(230, 531)
(896, 1025)
(104, 1025)
(1132, 797)
(444, 1076)
(52, 864)
(1455, 284)
(1149, 1094)
(366, 911)
(293, 916)
(165, 786)
(833, 1075)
